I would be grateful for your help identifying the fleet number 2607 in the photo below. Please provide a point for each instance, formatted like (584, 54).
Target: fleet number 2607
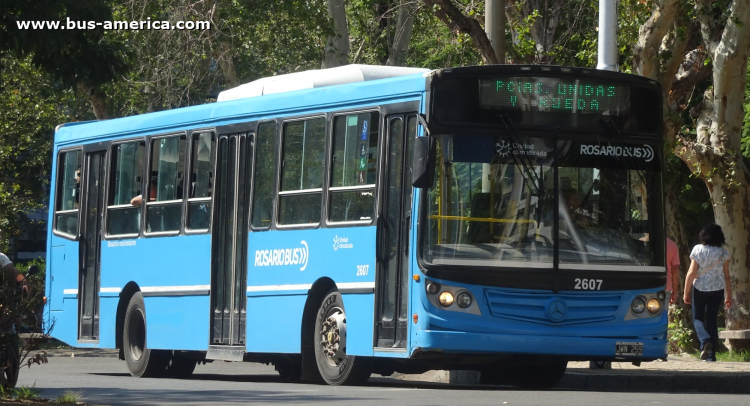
(588, 284)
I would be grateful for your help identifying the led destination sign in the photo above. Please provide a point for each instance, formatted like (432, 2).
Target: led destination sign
(547, 94)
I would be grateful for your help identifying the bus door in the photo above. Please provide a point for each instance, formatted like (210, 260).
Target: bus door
(394, 224)
(229, 246)
(90, 245)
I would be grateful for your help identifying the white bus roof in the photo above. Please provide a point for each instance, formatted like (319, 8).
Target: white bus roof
(315, 78)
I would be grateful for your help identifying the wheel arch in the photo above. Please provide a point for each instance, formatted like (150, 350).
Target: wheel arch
(122, 306)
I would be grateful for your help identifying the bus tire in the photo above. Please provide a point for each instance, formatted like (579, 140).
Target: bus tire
(142, 361)
(544, 376)
(336, 368)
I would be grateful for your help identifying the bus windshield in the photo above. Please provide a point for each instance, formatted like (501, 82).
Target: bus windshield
(496, 200)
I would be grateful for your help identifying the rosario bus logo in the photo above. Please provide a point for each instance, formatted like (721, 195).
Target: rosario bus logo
(283, 256)
(645, 152)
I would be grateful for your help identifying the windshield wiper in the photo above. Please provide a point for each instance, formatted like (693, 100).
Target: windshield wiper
(520, 162)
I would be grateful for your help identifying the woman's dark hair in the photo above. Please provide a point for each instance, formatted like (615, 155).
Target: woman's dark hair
(712, 235)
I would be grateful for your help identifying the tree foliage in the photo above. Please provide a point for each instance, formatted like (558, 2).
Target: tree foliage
(32, 103)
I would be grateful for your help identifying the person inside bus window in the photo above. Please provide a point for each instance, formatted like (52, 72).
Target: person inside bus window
(572, 202)
(707, 285)
(138, 200)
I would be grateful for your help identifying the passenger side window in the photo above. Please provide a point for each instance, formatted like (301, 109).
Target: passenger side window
(201, 181)
(123, 218)
(68, 192)
(303, 158)
(263, 192)
(164, 205)
(354, 167)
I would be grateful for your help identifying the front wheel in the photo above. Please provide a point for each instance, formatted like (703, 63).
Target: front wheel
(335, 367)
(10, 365)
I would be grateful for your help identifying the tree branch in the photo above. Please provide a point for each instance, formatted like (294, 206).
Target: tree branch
(449, 14)
(650, 36)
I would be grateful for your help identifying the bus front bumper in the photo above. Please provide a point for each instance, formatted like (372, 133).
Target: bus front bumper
(512, 344)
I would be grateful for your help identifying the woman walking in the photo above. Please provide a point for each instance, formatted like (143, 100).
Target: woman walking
(708, 281)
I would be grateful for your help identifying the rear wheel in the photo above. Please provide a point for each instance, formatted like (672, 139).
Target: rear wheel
(142, 361)
(10, 365)
(336, 368)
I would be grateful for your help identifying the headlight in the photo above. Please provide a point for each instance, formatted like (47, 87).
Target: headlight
(463, 300)
(661, 295)
(653, 306)
(638, 305)
(445, 299)
(433, 287)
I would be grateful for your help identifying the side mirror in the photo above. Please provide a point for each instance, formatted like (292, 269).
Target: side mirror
(423, 171)
(33, 270)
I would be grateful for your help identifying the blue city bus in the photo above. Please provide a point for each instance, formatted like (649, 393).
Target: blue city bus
(365, 219)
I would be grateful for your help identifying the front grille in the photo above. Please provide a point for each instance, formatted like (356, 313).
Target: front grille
(553, 309)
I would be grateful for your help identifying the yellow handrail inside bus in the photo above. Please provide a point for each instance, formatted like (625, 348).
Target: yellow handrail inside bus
(484, 219)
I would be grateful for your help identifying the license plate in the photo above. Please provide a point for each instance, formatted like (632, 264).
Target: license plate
(628, 348)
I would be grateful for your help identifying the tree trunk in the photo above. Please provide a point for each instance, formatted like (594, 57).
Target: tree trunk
(337, 47)
(97, 98)
(734, 219)
(223, 56)
(544, 28)
(715, 154)
(402, 35)
(494, 26)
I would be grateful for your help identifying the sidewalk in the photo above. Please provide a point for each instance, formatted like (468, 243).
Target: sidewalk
(680, 373)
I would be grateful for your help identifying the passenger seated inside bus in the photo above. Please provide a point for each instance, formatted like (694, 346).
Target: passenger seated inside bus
(138, 200)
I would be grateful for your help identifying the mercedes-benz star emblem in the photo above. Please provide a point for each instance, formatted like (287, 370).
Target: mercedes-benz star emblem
(557, 309)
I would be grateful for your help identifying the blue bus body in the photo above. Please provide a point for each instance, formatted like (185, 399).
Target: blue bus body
(289, 269)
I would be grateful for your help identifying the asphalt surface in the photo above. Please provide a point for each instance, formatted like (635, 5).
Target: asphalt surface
(104, 380)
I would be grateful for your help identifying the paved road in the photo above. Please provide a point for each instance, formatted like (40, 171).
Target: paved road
(105, 381)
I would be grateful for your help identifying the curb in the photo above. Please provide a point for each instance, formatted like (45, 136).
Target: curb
(692, 382)
(636, 381)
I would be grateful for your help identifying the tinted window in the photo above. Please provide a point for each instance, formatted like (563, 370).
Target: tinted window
(201, 181)
(164, 206)
(264, 169)
(127, 184)
(302, 171)
(68, 192)
(354, 167)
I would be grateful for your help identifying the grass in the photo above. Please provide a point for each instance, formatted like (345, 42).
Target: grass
(69, 398)
(729, 356)
(21, 393)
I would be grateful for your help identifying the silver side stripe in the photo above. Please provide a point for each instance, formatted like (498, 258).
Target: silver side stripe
(201, 290)
(347, 287)
(277, 288)
(194, 290)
